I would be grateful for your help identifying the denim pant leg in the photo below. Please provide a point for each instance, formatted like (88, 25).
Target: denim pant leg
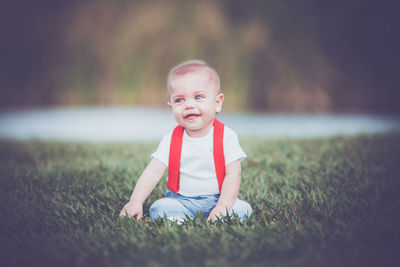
(242, 209)
(196, 204)
(178, 206)
(169, 207)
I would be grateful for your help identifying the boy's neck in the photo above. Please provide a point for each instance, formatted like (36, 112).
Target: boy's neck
(200, 133)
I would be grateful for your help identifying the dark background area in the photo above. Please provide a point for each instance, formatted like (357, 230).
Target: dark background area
(276, 56)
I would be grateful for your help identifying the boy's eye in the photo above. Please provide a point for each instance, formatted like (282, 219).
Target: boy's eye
(199, 97)
(178, 100)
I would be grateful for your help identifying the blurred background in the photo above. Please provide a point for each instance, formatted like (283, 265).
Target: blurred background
(97, 69)
(279, 56)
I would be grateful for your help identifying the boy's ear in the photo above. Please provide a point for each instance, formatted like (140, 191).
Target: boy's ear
(169, 105)
(220, 100)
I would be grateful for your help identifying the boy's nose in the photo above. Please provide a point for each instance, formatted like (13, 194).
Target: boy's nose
(189, 104)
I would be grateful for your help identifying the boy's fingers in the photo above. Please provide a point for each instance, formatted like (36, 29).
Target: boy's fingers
(122, 213)
(215, 214)
(138, 215)
(212, 216)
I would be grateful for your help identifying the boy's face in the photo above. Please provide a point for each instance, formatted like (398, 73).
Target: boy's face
(195, 100)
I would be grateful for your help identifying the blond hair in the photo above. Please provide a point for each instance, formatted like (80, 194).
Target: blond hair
(193, 66)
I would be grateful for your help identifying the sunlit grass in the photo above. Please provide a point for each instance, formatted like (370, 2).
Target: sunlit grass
(322, 202)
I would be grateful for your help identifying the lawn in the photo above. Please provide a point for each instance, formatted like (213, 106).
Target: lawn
(317, 202)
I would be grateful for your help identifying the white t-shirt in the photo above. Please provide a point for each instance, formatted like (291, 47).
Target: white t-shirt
(197, 170)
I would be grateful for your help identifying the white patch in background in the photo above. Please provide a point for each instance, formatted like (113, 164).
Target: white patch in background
(124, 124)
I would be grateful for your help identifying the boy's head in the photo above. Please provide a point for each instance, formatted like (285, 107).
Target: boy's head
(195, 97)
(192, 66)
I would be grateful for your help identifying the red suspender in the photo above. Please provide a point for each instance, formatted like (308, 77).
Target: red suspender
(175, 156)
(174, 161)
(218, 147)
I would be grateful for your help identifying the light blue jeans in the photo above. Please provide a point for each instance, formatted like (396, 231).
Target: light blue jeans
(176, 207)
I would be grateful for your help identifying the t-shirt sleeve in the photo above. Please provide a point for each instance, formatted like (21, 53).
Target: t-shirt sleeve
(232, 149)
(162, 152)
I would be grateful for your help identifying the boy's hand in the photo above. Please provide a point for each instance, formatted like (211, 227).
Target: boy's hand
(216, 212)
(132, 209)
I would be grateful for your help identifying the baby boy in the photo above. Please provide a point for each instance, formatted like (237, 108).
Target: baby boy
(202, 155)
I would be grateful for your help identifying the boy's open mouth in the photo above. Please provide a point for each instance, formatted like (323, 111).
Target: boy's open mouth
(191, 116)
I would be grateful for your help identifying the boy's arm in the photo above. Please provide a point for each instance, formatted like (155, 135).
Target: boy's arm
(229, 190)
(146, 183)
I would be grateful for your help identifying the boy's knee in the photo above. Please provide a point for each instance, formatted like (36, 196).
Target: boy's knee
(158, 208)
(242, 209)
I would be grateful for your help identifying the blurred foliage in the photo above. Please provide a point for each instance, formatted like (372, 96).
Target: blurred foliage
(271, 55)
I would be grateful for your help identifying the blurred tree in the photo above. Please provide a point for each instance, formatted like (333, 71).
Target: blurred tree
(277, 55)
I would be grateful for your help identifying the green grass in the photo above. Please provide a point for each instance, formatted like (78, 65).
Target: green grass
(320, 202)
